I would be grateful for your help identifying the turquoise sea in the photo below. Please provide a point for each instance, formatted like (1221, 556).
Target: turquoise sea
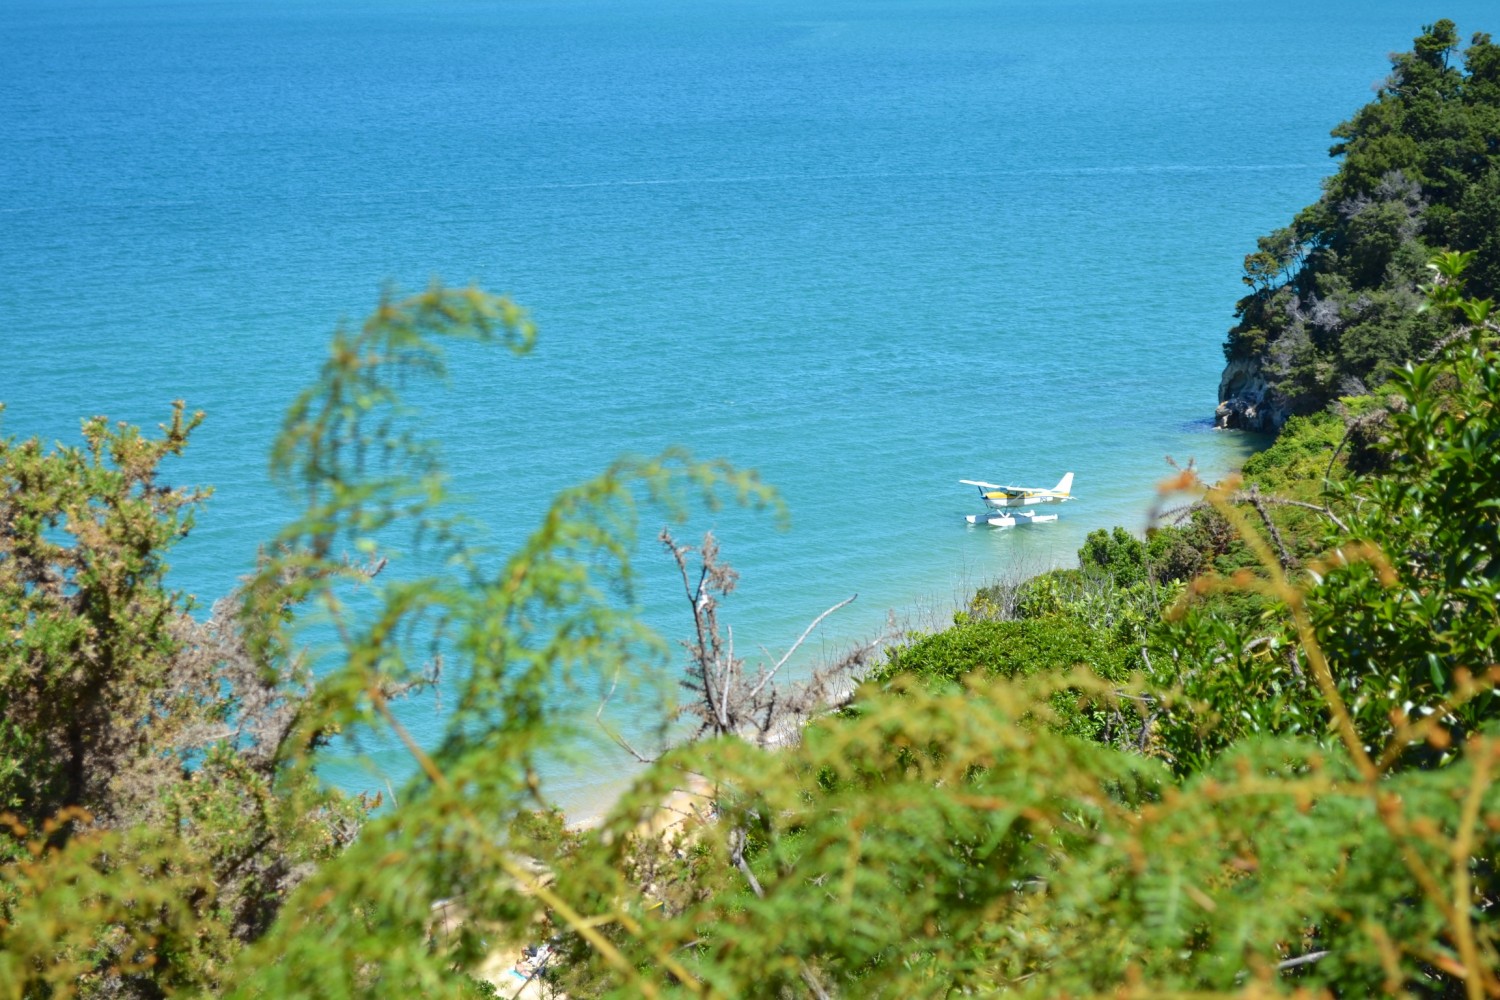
(868, 248)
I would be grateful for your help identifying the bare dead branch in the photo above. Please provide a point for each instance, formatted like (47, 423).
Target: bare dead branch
(737, 855)
(1307, 959)
(800, 640)
(1253, 497)
(615, 735)
(725, 700)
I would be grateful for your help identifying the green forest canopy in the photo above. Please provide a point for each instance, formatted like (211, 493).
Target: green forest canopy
(1334, 296)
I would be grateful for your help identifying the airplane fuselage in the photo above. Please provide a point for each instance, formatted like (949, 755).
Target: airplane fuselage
(1003, 499)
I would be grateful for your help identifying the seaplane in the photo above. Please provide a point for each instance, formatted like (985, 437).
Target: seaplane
(1004, 498)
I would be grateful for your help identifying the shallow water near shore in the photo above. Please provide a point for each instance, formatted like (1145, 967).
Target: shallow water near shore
(868, 249)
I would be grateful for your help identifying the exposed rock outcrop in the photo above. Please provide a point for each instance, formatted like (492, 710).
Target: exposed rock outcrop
(1247, 400)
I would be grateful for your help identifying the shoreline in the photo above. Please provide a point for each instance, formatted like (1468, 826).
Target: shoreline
(584, 783)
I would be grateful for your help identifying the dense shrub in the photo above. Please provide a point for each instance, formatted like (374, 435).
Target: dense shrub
(1006, 649)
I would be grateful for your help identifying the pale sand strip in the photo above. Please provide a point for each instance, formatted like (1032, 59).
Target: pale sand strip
(683, 810)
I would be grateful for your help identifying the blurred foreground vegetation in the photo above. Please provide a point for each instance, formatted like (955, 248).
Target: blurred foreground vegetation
(1251, 754)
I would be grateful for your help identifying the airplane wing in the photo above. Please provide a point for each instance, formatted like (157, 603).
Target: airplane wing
(1062, 491)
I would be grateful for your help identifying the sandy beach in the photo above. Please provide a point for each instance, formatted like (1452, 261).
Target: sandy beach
(506, 968)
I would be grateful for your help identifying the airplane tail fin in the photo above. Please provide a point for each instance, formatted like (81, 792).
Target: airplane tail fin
(1064, 485)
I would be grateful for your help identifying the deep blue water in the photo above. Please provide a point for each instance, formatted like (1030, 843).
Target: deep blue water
(868, 248)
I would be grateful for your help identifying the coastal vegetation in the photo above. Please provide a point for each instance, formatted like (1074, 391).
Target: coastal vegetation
(1334, 295)
(1252, 753)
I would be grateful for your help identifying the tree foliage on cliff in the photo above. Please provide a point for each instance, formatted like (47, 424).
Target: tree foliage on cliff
(1334, 295)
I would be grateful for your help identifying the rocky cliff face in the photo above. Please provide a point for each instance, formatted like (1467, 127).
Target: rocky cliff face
(1247, 401)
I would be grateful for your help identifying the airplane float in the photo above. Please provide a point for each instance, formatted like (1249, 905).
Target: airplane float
(1002, 497)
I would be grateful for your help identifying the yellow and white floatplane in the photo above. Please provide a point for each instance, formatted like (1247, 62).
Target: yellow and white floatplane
(1004, 498)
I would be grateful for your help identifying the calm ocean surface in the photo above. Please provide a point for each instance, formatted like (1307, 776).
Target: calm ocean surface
(868, 248)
